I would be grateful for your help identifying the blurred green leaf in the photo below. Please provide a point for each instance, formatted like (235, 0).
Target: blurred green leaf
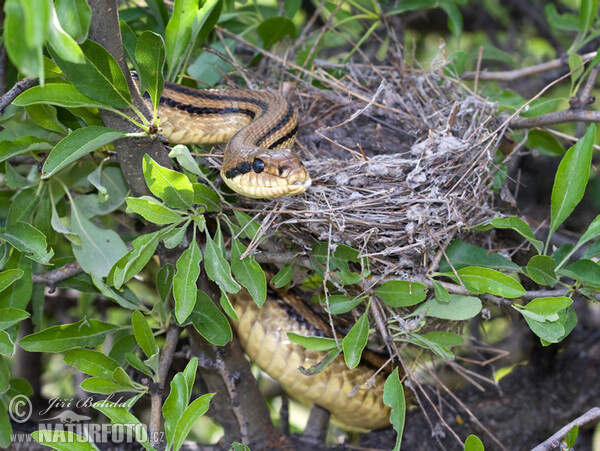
(566, 21)
(283, 277)
(542, 106)
(62, 43)
(588, 12)
(473, 443)
(571, 436)
(462, 254)
(274, 29)
(337, 304)
(11, 316)
(585, 271)
(74, 17)
(545, 142)
(91, 362)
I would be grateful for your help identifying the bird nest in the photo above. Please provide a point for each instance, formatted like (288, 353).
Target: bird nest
(401, 161)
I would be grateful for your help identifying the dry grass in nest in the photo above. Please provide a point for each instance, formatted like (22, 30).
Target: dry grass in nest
(401, 161)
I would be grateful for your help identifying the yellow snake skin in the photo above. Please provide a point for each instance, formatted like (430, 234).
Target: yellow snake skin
(353, 399)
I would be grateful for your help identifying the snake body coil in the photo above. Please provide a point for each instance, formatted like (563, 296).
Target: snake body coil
(259, 129)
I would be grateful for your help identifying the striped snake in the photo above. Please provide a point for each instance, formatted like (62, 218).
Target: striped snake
(259, 129)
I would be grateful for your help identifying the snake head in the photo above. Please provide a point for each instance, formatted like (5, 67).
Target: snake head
(263, 175)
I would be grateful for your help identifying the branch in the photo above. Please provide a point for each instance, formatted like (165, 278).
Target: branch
(511, 75)
(105, 30)
(13, 93)
(554, 441)
(559, 117)
(54, 277)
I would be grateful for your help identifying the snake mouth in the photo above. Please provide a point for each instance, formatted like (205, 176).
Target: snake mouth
(267, 186)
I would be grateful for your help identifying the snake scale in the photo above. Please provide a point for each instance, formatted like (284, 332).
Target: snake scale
(260, 128)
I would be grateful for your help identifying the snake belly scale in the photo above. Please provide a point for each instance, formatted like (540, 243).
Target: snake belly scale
(259, 129)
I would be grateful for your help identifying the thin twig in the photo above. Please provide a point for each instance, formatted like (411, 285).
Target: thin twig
(559, 117)
(15, 91)
(55, 276)
(554, 441)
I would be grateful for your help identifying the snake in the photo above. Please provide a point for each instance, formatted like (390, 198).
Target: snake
(259, 129)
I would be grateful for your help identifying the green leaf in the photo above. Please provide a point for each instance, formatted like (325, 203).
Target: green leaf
(190, 415)
(448, 339)
(541, 270)
(175, 236)
(542, 106)
(135, 260)
(571, 179)
(77, 144)
(585, 271)
(125, 299)
(576, 67)
(91, 362)
(401, 293)
(203, 195)
(356, 340)
(143, 334)
(29, 241)
(184, 283)
(473, 443)
(455, 21)
(283, 276)
(100, 78)
(592, 232)
(189, 373)
(182, 154)
(340, 303)
(274, 29)
(7, 278)
(312, 343)
(548, 306)
(171, 186)
(21, 145)
(251, 227)
(321, 365)
(217, 268)
(175, 404)
(567, 21)
(336, 258)
(519, 226)
(120, 415)
(63, 44)
(552, 332)
(248, 273)
(588, 11)
(545, 142)
(150, 55)
(441, 294)
(153, 210)
(164, 281)
(27, 58)
(178, 34)
(484, 280)
(75, 17)
(121, 377)
(210, 322)
(458, 309)
(11, 316)
(393, 396)
(137, 363)
(67, 336)
(63, 440)
(98, 249)
(7, 346)
(412, 5)
(571, 436)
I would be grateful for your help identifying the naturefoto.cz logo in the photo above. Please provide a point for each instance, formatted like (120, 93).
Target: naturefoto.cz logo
(68, 426)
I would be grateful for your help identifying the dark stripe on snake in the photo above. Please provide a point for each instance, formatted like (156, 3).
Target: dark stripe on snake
(282, 122)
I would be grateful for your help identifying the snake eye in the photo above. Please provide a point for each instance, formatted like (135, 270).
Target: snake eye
(258, 165)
